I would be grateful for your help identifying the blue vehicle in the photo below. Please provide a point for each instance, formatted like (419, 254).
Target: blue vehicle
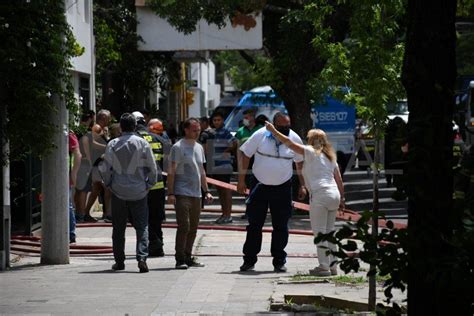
(338, 120)
(332, 116)
(263, 99)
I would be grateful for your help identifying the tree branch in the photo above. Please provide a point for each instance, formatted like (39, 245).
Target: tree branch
(247, 58)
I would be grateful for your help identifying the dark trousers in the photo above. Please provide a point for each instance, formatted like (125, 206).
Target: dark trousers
(278, 198)
(156, 216)
(138, 212)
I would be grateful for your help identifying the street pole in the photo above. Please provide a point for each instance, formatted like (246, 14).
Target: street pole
(55, 190)
(5, 213)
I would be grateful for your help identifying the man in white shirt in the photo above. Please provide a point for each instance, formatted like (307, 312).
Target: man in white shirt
(273, 170)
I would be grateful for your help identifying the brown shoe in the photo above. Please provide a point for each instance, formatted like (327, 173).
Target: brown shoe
(142, 266)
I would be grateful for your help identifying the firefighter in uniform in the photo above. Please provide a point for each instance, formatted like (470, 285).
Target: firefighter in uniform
(156, 195)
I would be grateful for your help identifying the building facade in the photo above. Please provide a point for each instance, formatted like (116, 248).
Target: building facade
(79, 14)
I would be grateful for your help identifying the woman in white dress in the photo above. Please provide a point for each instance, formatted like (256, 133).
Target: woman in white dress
(324, 182)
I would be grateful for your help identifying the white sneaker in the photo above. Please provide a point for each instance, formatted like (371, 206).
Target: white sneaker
(224, 220)
(227, 220)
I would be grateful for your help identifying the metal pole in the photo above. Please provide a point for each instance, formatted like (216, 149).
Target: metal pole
(55, 186)
(6, 214)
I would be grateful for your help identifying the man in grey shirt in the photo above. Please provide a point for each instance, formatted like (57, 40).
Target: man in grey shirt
(186, 176)
(129, 170)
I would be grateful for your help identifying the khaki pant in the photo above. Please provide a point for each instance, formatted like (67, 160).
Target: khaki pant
(188, 210)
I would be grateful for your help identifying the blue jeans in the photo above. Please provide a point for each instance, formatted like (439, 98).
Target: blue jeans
(72, 220)
(138, 211)
(278, 198)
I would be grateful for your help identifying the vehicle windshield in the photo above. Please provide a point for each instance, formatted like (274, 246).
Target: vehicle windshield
(235, 118)
(264, 103)
(401, 107)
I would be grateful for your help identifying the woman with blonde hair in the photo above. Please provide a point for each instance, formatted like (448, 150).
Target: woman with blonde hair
(324, 181)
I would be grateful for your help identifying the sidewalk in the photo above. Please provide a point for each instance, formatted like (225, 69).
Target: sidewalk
(88, 286)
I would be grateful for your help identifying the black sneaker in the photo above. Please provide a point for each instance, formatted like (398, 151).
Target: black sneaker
(181, 265)
(194, 263)
(280, 268)
(89, 219)
(108, 219)
(247, 267)
(142, 266)
(118, 266)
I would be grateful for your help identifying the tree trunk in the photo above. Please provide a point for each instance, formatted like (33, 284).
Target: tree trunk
(289, 45)
(299, 107)
(375, 221)
(429, 76)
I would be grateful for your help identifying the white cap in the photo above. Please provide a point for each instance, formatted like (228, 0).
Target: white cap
(138, 116)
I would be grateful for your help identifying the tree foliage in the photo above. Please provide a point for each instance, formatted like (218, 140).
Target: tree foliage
(387, 252)
(184, 15)
(368, 61)
(287, 35)
(37, 45)
(465, 38)
(245, 75)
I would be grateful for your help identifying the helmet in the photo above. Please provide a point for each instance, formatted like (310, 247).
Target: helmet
(156, 128)
(139, 117)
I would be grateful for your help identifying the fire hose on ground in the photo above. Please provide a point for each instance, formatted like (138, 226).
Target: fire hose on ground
(32, 245)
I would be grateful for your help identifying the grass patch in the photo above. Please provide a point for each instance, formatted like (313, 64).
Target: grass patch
(340, 279)
(305, 277)
(349, 279)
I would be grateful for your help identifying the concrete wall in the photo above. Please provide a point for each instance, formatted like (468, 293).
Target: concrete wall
(79, 15)
(205, 75)
(159, 35)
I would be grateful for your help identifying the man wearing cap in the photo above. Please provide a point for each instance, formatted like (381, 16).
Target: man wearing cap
(156, 195)
(129, 170)
(273, 170)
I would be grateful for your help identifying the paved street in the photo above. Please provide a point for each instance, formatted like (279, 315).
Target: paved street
(88, 286)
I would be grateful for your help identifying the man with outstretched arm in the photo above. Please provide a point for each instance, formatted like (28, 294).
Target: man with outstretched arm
(273, 170)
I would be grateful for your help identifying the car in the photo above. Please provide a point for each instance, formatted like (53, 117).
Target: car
(398, 109)
(263, 99)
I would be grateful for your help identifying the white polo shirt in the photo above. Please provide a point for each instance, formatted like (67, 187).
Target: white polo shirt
(273, 163)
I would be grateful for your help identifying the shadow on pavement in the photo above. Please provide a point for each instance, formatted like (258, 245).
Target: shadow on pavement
(108, 271)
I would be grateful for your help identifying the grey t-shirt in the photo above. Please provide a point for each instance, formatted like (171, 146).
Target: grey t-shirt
(189, 159)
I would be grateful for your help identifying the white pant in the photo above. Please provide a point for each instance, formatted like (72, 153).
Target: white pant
(323, 207)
